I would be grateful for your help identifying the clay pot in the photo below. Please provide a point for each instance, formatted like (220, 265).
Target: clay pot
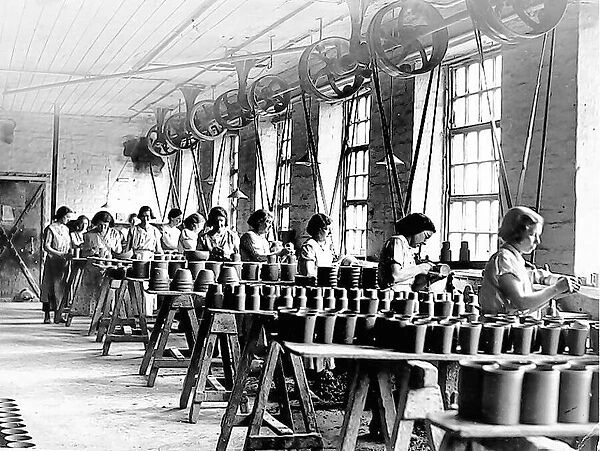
(214, 296)
(439, 338)
(574, 395)
(324, 327)
(404, 306)
(468, 338)
(594, 337)
(341, 300)
(369, 278)
(140, 269)
(540, 395)
(385, 299)
(270, 272)
(195, 256)
(268, 298)
(594, 401)
(286, 321)
(288, 271)
(306, 323)
(369, 306)
(215, 267)
(501, 394)
(354, 297)
(491, 339)
(314, 298)
(576, 338)
(285, 298)
(228, 274)
(250, 270)
(349, 276)
(345, 325)
(204, 278)
(239, 297)
(365, 329)
(235, 265)
(470, 386)
(12, 425)
(20, 445)
(443, 308)
(328, 299)
(182, 280)
(174, 265)
(427, 308)
(327, 276)
(548, 337)
(12, 431)
(522, 338)
(414, 338)
(385, 329)
(252, 297)
(300, 299)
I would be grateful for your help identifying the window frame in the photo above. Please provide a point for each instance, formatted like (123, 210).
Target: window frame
(284, 178)
(452, 131)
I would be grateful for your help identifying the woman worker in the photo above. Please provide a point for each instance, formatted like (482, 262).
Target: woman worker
(219, 240)
(144, 238)
(103, 240)
(507, 285)
(188, 239)
(170, 231)
(254, 245)
(57, 243)
(316, 251)
(397, 258)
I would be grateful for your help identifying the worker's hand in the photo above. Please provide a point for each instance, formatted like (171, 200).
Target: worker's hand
(567, 284)
(425, 267)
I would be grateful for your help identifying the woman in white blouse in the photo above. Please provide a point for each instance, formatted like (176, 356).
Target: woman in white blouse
(144, 238)
(103, 240)
(316, 251)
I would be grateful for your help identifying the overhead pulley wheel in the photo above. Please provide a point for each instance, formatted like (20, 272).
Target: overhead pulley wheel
(177, 134)
(157, 140)
(408, 38)
(269, 95)
(203, 123)
(512, 21)
(229, 111)
(330, 71)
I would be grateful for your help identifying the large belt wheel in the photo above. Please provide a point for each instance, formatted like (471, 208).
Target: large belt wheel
(329, 70)
(512, 21)
(176, 133)
(404, 29)
(269, 95)
(230, 112)
(157, 143)
(203, 123)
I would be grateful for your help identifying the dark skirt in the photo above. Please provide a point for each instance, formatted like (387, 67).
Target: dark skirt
(54, 282)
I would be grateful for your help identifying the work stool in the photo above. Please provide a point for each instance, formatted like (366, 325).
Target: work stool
(109, 290)
(128, 319)
(281, 425)
(418, 395)
(73, 282)
(215, 327)
(172, 302)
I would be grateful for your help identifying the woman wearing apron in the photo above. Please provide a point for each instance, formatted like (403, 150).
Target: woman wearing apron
(57, 244)
(144, 238)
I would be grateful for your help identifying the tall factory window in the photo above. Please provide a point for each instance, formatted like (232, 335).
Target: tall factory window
(225, 162)
(284, 178)
(473, 165)
(357, 161)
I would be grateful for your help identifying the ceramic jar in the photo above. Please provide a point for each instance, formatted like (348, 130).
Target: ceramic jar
(522, 338)
(250, 270)
(285, 298)
(215, 267)
(214, 296)
(540, 395)
(269, 272)
(574, 395)
(345, 326)
(501, 394)
(439, 338)
(576, 338)
(354, 297)
(470, 386)
(548, 338)
(414, 337)
(341, 300)
(288, 271)
(324, 327)
(492, 336)
(300, 299)
(365, 329)
(468, 338)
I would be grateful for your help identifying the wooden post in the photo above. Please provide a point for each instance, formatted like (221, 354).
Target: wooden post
(54, 171)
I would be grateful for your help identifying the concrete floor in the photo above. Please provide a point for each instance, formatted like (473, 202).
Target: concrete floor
(73, 398)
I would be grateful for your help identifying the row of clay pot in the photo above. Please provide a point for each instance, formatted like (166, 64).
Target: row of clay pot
(516, 392)
(342, 276)
(12, 429)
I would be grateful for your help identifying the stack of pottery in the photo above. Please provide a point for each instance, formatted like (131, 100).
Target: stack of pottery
(228, 275)
(253, 297)
(174, 265)
(250, 270)
(159, 280)
(12, 429)
(204, 278)
(314, 298)
(268, 297)
(140, 269)
(349, 276)
(285, 298)
(517, 392)
(288, 271)
(269, 272)
(305, 281)
(369, 278)
(116, 272)
(327, 276)
(297, 325)
(182, 281)
(235, 265)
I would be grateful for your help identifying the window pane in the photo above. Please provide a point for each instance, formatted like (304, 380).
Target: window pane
(483, 216)
(457, 176)
(456, 216)
(456, 149)
(473, 116)
(485, 178)
(471, 147)
(470, 215)
(485, 145)
(470, 179)
(458, 108)
(459, 81)
(473, 78)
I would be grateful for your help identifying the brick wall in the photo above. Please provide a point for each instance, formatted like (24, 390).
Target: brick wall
(88, 146)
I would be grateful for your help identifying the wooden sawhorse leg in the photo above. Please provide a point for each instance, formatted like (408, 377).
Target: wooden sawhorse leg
(76, 285)
(134, 315)
(72, 284)
(217, 327)
(157, 330)
(185, 304)
(103, 298)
